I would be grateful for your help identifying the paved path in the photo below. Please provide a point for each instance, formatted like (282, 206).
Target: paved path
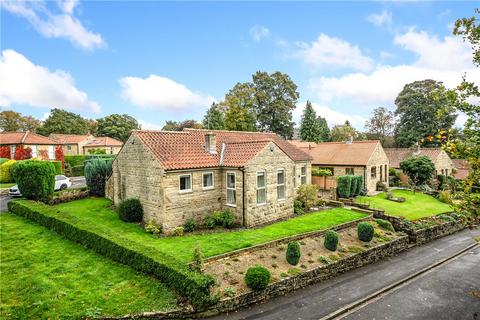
(319, 300)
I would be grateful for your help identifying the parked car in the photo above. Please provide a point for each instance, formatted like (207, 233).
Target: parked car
(61, 183)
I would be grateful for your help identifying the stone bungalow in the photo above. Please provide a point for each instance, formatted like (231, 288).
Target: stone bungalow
(365, 158)
(443, 164)
(188, 174)
(42, 147)
(76, 144)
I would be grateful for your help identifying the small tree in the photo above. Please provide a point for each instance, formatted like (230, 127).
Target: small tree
(307, 195)
(96, 173)
(35, 179)
(59, 156)
(344, 185)
(418, 169)
(197, 260)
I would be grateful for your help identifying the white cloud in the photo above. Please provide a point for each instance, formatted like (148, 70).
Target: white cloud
(442, 60)
(333, 117)
(145, 125)
(157, 92)
(259, 32)
(329, 51)
(62, 24)
(380, 19)
(23, 82)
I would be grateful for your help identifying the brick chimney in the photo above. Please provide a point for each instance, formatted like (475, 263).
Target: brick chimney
(211, 143)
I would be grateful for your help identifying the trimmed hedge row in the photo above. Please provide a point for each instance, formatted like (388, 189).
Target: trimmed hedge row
(58, 166)
(349, 185)
(192, 285)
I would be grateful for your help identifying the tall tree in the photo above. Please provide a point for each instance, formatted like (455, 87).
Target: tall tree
(419, 107)
(239, 103)
(344, 132)
(381, 124)
(117, 126)
(14, 121)
(180, 125)
(275, 98)
(324, 129)
(310, 129)
(61, 121)
(214, 118)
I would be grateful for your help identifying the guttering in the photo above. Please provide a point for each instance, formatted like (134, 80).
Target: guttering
(244, 217)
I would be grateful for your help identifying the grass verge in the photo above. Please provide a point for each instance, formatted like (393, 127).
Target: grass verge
(416, 206)
(46, 277)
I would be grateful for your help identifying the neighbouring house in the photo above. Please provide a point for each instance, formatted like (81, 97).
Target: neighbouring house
(365, 158)
(42, 147)
(74, 144)
(188, 174)
(443, 164)
(462, 168)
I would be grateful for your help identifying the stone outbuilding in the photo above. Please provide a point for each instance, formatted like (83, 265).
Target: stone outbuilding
(365, 158)
(443, 163)
(189, 174)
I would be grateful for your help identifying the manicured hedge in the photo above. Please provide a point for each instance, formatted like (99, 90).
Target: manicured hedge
(74, 166)
(6, 171)
(3, 160)
(73, 161)
(192, 285)
(344, 184)
(58, 166)
(35, 179)
(359, 184)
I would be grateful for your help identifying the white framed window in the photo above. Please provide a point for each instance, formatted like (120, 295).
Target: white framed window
(208, 180)
(69, 147)
(281, 184)
(303, 174)
(231, 189)
(34, 151)
(185, 183)
(51, 152)
(261, 187)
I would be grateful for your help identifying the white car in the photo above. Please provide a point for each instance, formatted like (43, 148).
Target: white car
(61, 183)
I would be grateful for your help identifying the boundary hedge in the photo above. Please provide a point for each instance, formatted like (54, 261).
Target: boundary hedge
(176, 275)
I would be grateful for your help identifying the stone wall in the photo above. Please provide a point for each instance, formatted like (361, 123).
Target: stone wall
(443, 162)
(269, 160)
(73, 149)
(315, 275)
(378, 160)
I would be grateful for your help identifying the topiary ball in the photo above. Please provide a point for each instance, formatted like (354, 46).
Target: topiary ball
(293, 253)
(331, 240)
(130, 210)
(257, 277)
(365, 231)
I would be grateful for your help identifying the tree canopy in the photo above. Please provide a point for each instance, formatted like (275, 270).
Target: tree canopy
(14, 121)
(381, 125)
(310, 129)
(61, 121)
(239, 104)
(418, 169)
(214, 118)
(117, 126)
(344, 132)
(180, 125)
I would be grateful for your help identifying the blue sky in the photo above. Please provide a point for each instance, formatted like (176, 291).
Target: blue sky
(162, 61)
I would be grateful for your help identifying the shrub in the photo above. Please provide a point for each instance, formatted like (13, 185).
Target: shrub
(5, 152)
(96, 173)
(209, 222)
(229, 292)
(59, 156)
(227, 219)
(57, 166)
(318, 172)
(344, 184)
(69, 195)
(130, 210)
(353, 186)
(21, 153)
(365, 231)
(3, 160)
(74, 165)
(331, 240)
(35, 179)
(197, 260)
(153, 228)
(293, 253)
(6, 171)
(359, 185)
(257, 277)
(192, 285)
(178, 231)
(445, 196)
(190, 225)
(307, 195)
(384, 224)
(298, 207)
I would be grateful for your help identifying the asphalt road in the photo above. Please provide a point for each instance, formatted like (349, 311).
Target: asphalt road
(77, 182)
(450, 285)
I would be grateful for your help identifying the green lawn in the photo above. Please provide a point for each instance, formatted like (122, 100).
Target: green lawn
(44, 276)
(416, 206)
(97, 212)
(6, 185)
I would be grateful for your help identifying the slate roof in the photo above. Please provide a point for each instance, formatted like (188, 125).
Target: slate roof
(186, 149)
(397, 155)
(25, 138)
(357, 153)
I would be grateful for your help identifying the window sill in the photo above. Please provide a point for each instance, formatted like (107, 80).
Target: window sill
(185, 191)
(231, 205)
(208, 188)
(261, 204)
(281, 200)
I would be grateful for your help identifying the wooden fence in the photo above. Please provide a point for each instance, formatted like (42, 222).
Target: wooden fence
(325, 182)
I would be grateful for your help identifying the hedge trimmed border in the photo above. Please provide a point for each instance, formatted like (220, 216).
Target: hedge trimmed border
(192, 285)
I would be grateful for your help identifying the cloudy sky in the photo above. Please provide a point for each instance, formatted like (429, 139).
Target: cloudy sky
(168, 61)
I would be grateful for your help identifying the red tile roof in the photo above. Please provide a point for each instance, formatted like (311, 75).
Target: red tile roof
(25, 138)
(462, 168)
(356, 153)
(69, 138)
(104, 142)
(397, 155)
(186, 149)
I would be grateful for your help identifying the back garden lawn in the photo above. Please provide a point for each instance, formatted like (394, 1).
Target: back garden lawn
(45, 276)
(97, 212)
(416, 206)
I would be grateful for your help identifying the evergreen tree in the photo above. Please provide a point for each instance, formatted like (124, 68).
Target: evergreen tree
(310, 129)
(214, 118)
(324, 130)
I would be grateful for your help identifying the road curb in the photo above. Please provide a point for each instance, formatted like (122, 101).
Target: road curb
(394, 285)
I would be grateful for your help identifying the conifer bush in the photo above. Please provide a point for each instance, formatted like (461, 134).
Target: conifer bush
(257, 277)
(130, 210)
(293, 253)
(365, 231)
(331, 240)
